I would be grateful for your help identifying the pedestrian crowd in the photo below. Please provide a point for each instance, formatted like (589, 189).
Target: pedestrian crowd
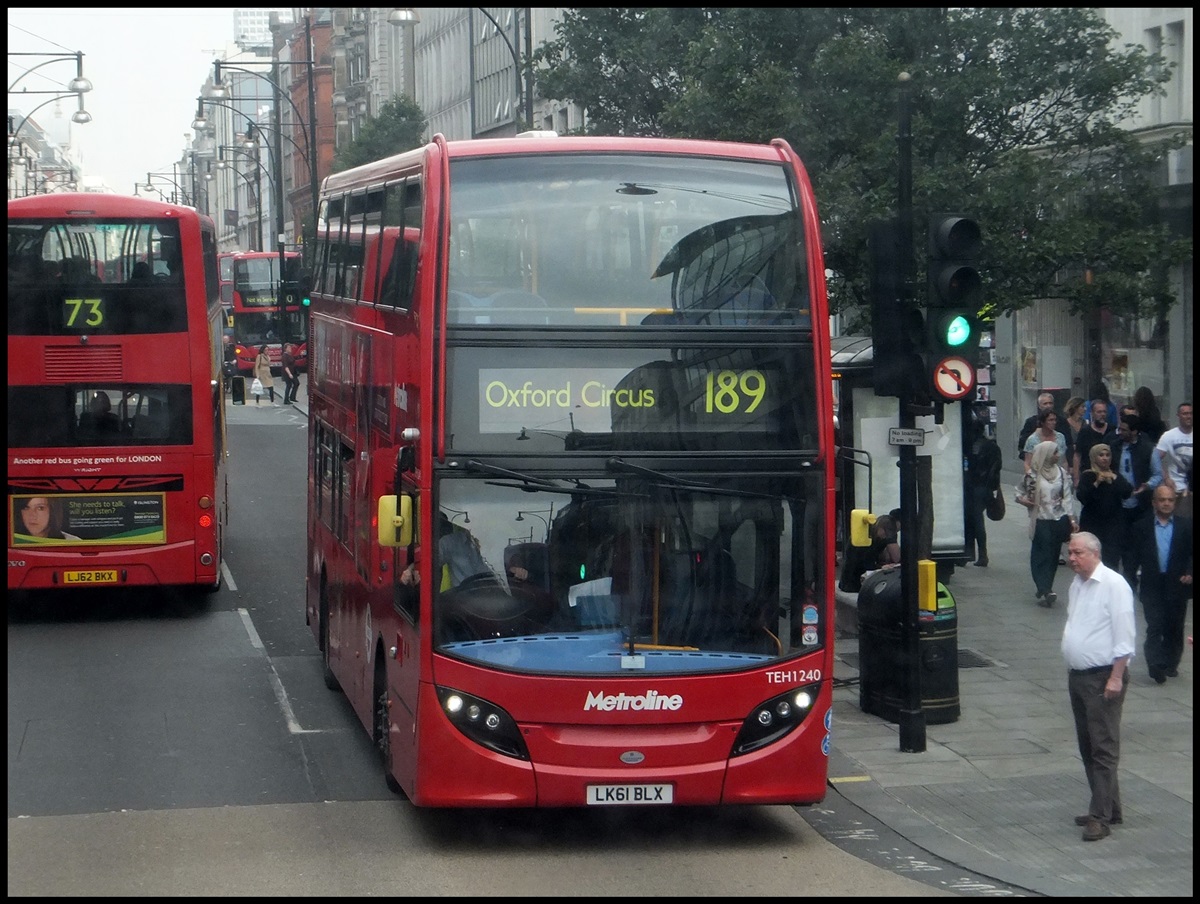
(1115, 485)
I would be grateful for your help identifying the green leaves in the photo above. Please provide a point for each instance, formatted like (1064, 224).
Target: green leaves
(399, 127)
(1020, 115)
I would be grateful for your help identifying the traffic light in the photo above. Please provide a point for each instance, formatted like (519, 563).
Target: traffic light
(897, 326)
(955, 295)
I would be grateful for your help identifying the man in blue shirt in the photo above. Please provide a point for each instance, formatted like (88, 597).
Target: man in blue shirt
(1163, 544)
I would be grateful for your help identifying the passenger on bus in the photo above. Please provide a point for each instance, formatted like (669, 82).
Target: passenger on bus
(141, 274)
(100, 416)
(76, 271)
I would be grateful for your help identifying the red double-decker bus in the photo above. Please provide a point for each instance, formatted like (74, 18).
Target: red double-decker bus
(116, 430)
(571, 471)
(253, 304)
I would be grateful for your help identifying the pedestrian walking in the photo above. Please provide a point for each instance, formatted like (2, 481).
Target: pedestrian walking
(1047, 431)
(291, 379)
(1102, 493)
(1098, 641)
(1174, 451)
(1164, 544)
(1072, 422)
(1045, 402)
(1100, 394)
(1047, 492)
(1152, 424)
(983, 482)
(263, 381)
(1134, 459)
(1098, 430)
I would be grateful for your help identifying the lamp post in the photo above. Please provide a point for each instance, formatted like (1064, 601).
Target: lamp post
(539, 515)
(178, 196)
(254, 185)
(409, 18)
(218, 89)
(78, 86)
(310, 132)
(456, 512)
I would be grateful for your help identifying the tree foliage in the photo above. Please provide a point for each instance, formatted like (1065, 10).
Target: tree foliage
(399, 126)
(1018, 116)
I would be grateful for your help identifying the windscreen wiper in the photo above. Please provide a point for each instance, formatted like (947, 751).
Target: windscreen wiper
(619, 464)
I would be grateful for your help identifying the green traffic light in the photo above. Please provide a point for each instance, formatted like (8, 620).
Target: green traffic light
(958, 331)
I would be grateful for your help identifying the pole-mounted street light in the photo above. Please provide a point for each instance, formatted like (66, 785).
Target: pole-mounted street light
(541, 515)
(219, 91)
(78, 86)
(255, 185)
(410, 18)
(309, 131)
(179, 196)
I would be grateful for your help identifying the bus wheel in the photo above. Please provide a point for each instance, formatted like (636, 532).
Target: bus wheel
(381, 734)
(330, 679)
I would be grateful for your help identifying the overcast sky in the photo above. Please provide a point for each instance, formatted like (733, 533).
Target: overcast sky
(146, 66)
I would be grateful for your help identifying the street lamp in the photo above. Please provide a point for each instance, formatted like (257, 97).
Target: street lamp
(409, 18)
(539, 515)
(219, 90)
(254, 185)
(77, 86)
(178, 196)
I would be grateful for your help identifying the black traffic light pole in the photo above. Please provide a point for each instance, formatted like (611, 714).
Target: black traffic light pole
(924, 360)
(911, 720)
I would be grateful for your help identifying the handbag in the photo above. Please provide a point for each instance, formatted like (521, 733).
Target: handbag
(994, 508)
(256, 388)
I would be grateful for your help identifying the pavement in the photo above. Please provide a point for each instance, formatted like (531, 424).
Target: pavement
(995, 791)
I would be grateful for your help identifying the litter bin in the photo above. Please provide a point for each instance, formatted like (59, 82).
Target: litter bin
(881, 650)
(237, 386)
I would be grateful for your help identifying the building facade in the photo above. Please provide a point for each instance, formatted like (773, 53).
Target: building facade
(1044, 347)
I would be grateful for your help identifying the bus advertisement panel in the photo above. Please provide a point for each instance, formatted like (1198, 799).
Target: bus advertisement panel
(571, 471)
(254, 307)
(116, 432)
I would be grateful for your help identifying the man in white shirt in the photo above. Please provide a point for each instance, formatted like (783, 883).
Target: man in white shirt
(1174, 451)
(1097, 643)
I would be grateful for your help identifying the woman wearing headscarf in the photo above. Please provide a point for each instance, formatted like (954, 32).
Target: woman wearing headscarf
(1047, 492)
(1101, 494)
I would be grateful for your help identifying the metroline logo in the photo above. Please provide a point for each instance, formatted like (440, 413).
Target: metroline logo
(651, 700)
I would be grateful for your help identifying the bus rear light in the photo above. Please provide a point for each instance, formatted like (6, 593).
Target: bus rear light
(206, 502)
(206, 520)
(206, 559)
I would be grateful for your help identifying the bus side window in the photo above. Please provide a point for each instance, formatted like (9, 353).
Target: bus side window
(400, 279)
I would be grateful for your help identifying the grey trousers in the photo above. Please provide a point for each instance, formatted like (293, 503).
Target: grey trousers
(1098, 730)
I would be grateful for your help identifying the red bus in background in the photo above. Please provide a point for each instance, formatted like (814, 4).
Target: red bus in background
(116, 430)
(570, 491)
(254, 307)
(225, 276)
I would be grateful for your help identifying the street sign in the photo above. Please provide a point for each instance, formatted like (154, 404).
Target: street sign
(906, 436)
(954, 378)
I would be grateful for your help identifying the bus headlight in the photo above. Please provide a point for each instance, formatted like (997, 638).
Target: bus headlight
(484, 723)
(773, 719)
